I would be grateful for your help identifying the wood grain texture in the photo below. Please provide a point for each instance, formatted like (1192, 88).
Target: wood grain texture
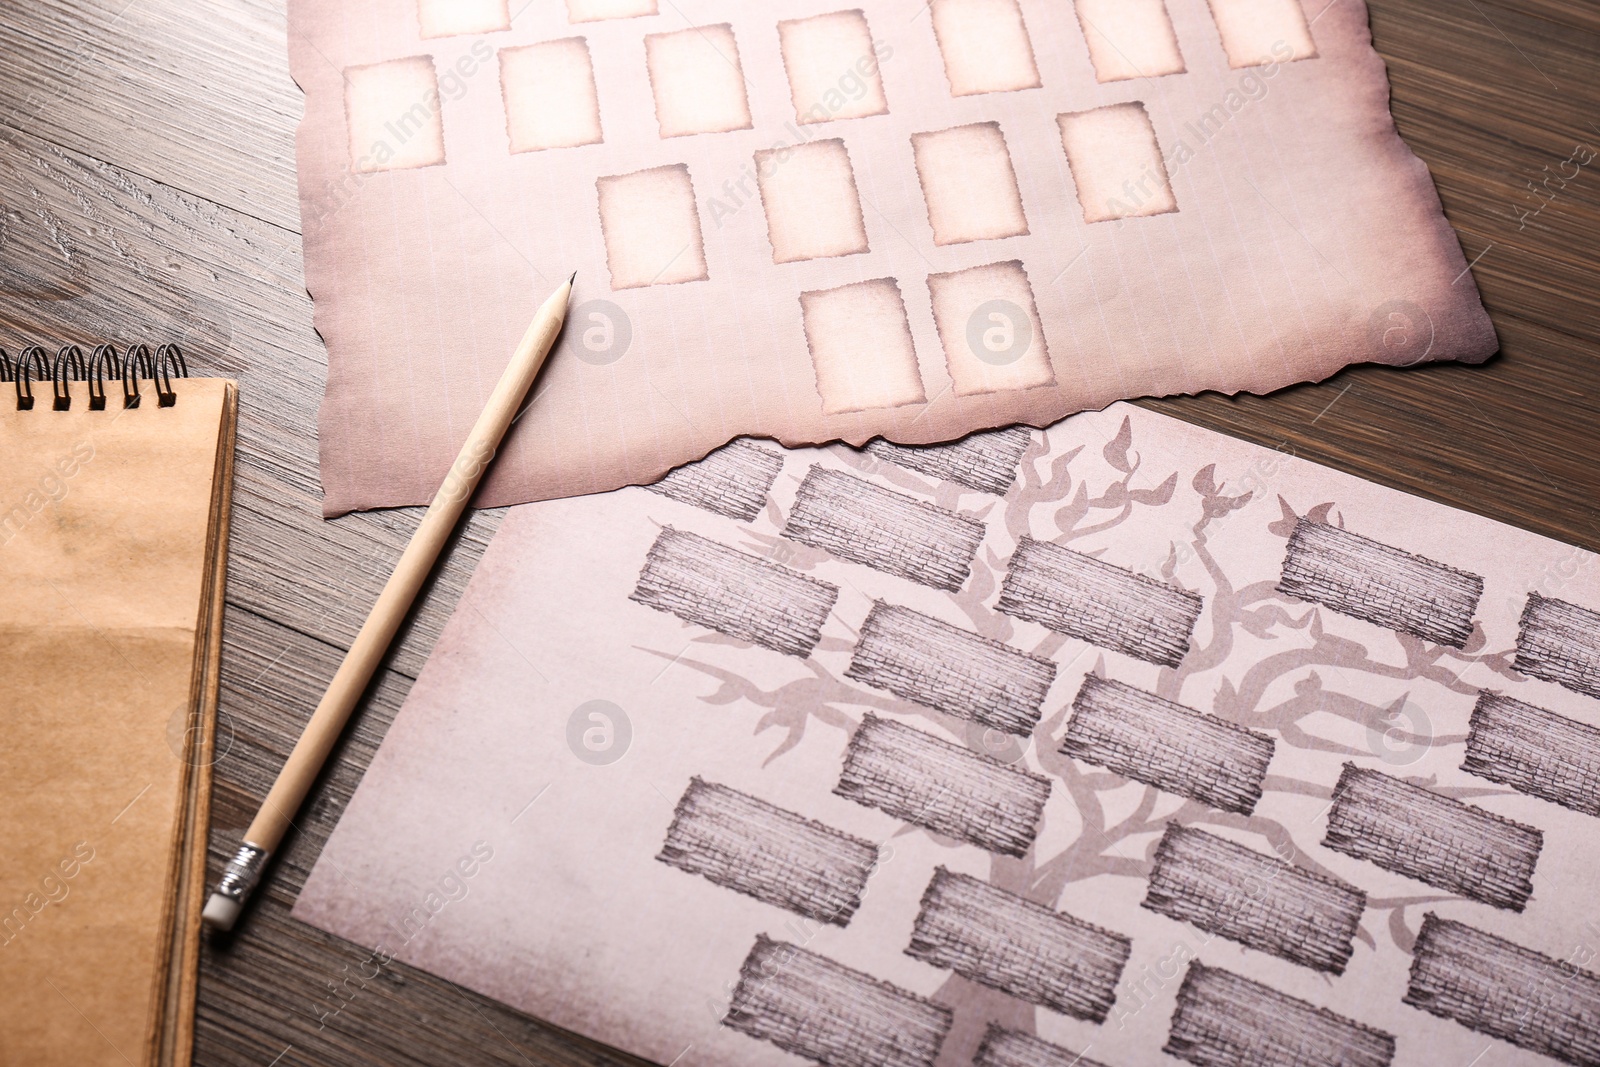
(147, 191)
(1488, 94)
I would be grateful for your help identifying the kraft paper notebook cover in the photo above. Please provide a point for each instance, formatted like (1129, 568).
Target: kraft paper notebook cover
(113, 534)
(1122, 740)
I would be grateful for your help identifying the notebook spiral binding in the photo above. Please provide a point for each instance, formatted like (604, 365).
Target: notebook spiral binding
(102, 365)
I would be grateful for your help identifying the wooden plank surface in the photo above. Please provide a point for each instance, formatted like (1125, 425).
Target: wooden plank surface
(147, 191)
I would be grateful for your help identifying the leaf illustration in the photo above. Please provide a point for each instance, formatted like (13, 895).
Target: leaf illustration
(1157, 496)
(1116, 450)
(1284, 526)
(1321, 513)
(1218, 506)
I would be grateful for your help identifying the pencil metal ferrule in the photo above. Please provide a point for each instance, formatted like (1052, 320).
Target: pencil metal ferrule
(243, 873)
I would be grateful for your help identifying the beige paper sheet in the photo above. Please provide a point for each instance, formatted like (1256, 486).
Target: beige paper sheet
(113, 528)
(513, 831)
(796, 222)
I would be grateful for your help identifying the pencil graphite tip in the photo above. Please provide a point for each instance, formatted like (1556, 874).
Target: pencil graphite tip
(573, 278)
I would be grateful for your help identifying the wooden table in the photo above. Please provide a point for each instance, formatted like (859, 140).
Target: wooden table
(148, 187)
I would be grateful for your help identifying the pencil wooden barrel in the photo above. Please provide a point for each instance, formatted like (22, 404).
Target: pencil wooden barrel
(277, 812)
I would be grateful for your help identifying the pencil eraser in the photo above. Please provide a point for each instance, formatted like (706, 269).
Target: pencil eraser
(221, 912)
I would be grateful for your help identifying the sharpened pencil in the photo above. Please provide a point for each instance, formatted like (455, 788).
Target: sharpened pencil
(277, 812)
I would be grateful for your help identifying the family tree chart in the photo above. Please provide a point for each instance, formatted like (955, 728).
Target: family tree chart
(1111, 743)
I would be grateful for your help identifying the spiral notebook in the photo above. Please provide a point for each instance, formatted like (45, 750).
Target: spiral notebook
(113, 530)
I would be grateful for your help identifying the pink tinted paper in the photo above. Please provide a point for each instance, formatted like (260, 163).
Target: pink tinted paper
(1363, 709)
(809, 224)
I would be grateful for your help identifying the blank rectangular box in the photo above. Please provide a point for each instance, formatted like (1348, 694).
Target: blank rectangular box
(1224, 1020)
(985, 46)
(1095, 601)
(1116, 163)
(1535, 751)
(1129, 39)
(1560, 642)
(1166, 745)
(448, 18)
(824, 1012)
(1380, 584)
(778, 857)
(943, 786)
(809, 195)
(969, 184)
(734, 593)
(865, 523)
(1415, 832)
(1499, 988)
(832, 67)
(697, 80)
(1012, 1048)
(1262, 902)
(392, 112)
(951, 669)
(652, 228)
(1018, 947)
(733, 481)
(549, 95)
(861, 347)
(1258, 32)
(598, 10)
(991, 333)
(986, 462)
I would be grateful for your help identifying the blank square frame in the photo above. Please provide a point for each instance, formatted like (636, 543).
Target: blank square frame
(599, 10)
(809, 194)
(832, 64)
(549, 95)
(969, 184)
(697, 81)
(1116, 162)
(861, 347)
(1257, 32)
(1129, 39)
(990, 330)
(985, 46)
(651, 228)
(450, 18)
(392, 115)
